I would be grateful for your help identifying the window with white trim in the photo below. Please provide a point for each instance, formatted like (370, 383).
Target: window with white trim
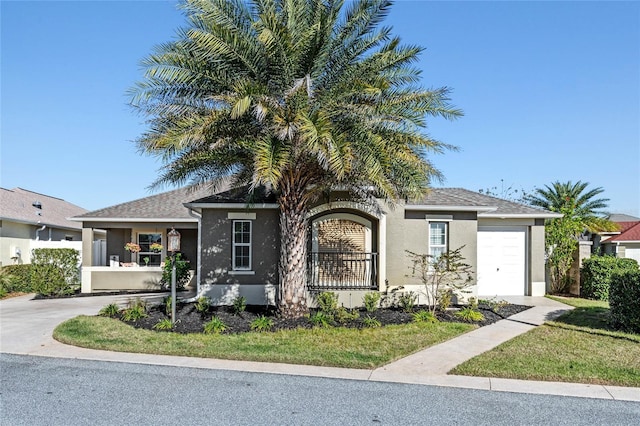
(241, 245)
(437, 239)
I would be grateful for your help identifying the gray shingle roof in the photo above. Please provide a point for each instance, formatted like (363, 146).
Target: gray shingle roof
(466, 198)
(166, 205)
(17, 204)
(170, 204)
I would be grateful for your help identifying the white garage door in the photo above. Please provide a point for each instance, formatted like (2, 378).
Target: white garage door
(632, 253)
(501, 262)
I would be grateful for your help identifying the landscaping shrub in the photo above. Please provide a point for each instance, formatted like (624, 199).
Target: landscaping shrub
(55, 271)
(239, 305)
(596, 275)
(407, 301)
(215, 326)
(327, 302)
(371, 301)
(19, 278)
(624, 300)
(183, 273)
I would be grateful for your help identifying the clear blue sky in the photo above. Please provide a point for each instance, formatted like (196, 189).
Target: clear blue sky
(550, 91)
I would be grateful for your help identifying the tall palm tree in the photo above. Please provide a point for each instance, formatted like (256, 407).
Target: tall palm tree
(571, 200)
(300, 96)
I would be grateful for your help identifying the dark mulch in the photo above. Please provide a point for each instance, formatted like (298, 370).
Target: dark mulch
(189, 320)
(77, 293)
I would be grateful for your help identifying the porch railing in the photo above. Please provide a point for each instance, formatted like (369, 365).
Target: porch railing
(343, 271)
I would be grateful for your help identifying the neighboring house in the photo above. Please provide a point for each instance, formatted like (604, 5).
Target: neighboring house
(623, 243)
(31, 220)
(353, 248)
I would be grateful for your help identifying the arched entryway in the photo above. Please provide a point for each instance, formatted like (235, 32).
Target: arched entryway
(342, 254)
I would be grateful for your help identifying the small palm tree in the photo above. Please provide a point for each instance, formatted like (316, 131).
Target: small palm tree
(298, 96)
(571, 200)
(581, 211)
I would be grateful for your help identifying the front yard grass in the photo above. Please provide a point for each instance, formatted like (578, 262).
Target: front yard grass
(578, 347)
(335, 347)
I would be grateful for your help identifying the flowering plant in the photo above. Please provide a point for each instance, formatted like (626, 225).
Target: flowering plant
(132, 247)
(155, 247)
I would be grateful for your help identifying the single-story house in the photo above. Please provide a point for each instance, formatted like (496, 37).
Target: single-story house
(31, 220)
(623, 243)
(352, 249)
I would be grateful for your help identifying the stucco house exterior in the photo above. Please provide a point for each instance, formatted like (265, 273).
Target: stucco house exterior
(623, 243)
(31, 220)
(353, 248)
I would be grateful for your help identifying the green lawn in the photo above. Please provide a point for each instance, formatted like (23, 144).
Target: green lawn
(337, 347)
(580, 347)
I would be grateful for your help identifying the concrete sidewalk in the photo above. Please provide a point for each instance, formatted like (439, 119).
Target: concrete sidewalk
(26, 327)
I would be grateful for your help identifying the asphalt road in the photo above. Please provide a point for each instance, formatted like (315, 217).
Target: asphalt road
(52, 391)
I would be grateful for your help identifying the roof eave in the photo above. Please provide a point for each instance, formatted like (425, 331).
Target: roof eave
(133, 219)
(449, 208)
(261, 206)
(521, 215)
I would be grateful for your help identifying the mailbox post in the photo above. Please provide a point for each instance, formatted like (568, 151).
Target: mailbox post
(173, 246)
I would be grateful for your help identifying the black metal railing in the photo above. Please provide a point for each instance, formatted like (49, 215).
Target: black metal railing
(343, 270)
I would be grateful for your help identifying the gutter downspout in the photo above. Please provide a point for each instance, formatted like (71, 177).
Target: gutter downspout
(198, 216)
(39, 230)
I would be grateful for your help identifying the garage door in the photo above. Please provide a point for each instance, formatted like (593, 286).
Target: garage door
(501, 262)
(632, 253)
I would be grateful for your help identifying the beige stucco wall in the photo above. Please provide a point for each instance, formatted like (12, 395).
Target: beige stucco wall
(21, 236)
(104, 278)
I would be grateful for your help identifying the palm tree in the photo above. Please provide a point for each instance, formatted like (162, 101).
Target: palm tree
(299, 96)
(571, 200)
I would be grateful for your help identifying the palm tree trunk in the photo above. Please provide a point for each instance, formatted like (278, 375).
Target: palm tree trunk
(292, 269)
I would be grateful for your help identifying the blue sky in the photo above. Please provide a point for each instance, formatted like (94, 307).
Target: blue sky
(550, 91)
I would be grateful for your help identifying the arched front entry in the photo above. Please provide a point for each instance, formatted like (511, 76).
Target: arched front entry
(342, 252)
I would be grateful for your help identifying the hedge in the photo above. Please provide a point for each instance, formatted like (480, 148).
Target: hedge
(20, 278)
(596, 275)
(624, 300)
(55, 271)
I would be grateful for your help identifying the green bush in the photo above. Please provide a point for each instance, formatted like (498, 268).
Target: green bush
(136, 309)
(321, 319)
(183, 272)
(215, 326)
(424, 316)
(371, 322)
(407, 301)
(203, 304)
(261, 324)
(55, 272)
(624, 300)
(469, 314)
(19, 278)
(239, 305)
(163, 324)
(327, 302)
(371, 301)
(110, 310)
(596, 275)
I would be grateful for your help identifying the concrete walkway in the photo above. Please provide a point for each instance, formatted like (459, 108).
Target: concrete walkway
(26, 327)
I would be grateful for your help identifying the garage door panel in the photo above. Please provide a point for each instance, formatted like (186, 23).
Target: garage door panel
(501, 262)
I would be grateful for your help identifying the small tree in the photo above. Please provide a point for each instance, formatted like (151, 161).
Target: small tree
(446, 272)
(562, 240)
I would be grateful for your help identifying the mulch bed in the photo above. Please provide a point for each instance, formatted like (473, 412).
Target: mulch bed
(189, 320)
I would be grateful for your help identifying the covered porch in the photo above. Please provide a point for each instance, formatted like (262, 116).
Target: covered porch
(344, 250)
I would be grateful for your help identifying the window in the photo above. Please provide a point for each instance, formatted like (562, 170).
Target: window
(437, 239)
(144, 241)
(242, 245)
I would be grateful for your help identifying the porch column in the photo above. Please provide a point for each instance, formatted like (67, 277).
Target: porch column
(87, 246)
(87, 259)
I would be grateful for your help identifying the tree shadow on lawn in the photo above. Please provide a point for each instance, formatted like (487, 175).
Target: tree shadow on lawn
(592, 320)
